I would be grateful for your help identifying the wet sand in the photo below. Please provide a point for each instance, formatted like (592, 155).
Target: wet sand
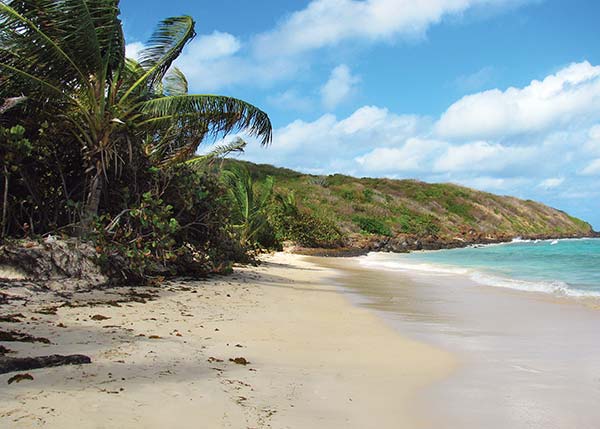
(528, 360)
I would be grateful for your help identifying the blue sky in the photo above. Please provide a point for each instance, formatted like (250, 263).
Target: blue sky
(499, 95)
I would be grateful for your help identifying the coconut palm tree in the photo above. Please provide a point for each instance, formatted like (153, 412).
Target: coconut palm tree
(71, 54)
(249, 201)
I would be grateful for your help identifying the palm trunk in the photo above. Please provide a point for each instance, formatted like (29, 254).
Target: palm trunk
(92, 204)
(4, 203)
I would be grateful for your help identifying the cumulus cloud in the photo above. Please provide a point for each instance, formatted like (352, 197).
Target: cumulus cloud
(483, 156)
(209, 61)
(560, 98)
(410, 157)
(331, 144)
(339, 87)
(212, 46)
(325, 23)
(218, 60)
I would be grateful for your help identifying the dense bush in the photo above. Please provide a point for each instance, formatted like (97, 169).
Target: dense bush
(300, 226)
(181, 225)
(372, 225)
(418, 224)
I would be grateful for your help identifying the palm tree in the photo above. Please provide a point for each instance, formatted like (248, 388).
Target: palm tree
(249, 200)
(71, 53)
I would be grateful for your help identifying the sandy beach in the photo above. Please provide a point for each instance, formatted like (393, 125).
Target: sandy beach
(161, 356)
(528, 359)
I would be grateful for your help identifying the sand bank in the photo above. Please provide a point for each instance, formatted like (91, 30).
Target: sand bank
(315, 359)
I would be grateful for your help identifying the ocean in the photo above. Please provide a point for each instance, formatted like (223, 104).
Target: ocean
(569, 267)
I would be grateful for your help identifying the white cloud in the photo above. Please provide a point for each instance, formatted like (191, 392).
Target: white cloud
(209, 58)
(339, 87)
(409, 157)
(212, 46)
(132, 50)
(551, 183)
(592, 169)
(326, 23)
(218, 60)
(332, 144)
(483, 156)
(373, 119)
(210, 62)
(560, 98)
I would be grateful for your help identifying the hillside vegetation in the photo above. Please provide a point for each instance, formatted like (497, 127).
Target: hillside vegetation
(385, 207)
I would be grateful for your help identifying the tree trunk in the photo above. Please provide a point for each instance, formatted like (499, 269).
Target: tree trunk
(4, 203)
(93, 201)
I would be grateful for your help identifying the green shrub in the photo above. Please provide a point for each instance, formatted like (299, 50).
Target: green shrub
(462, 210)
(348, 195)
(372, 225)
(414, 223)
(302, 226)
(425, 225)
(181, 225)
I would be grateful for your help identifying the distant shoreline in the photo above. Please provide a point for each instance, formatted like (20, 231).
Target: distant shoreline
(407, 243)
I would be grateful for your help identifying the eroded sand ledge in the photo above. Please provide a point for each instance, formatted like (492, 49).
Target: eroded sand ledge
(315, 360)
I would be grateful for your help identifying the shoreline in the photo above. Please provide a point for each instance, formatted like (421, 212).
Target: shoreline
(412, 243)
(555, 288)
(528, 358)
(315, 359)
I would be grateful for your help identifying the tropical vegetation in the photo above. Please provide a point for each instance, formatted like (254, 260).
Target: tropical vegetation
(102, 147)
(95, 144)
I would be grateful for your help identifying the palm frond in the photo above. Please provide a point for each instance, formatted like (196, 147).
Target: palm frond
(219, 152)
(37, 34)
(175, 83)
(164, 47)
(220, 115)
(173, 141)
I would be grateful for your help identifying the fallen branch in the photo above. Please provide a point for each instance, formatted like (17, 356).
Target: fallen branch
(11, 364)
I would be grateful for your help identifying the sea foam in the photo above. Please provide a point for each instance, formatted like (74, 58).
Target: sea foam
(401, 263)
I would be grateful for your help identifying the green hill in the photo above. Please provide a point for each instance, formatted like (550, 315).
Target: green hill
(365, 207)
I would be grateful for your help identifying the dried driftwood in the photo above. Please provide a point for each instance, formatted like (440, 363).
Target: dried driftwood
(11, 364)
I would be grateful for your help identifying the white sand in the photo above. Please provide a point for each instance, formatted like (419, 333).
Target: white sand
(316, 360)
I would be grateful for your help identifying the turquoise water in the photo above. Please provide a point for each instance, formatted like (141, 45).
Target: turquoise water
(563, 267)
